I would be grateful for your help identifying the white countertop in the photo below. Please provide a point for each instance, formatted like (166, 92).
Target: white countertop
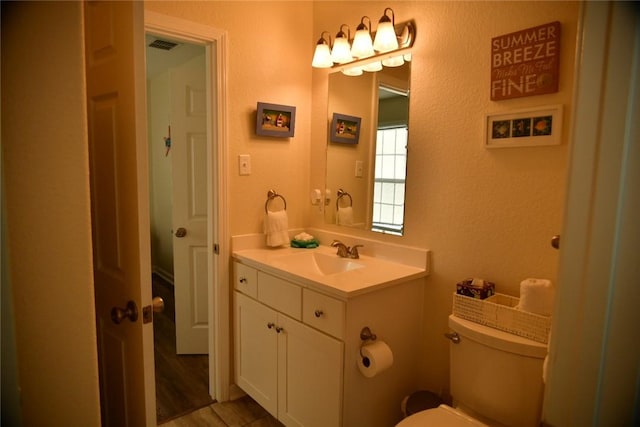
(374, 274)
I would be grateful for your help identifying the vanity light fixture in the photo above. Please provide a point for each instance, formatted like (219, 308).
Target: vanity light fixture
(390, 47)
(322, 55)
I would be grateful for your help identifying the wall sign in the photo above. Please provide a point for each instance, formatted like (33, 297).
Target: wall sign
(525, 63)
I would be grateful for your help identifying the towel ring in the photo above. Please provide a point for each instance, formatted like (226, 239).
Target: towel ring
(271, 194)
(341, 193)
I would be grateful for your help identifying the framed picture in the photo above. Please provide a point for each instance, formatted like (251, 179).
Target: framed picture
(521, 128)
(345, 129)
(275, 120)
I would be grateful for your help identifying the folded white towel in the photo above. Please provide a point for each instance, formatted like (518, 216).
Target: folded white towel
(276, 228)
(537, 296)
(344, 216)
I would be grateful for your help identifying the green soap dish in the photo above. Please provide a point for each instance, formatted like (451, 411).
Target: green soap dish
(308, 244)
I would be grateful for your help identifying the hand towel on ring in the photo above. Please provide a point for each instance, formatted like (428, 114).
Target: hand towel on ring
(276, 228)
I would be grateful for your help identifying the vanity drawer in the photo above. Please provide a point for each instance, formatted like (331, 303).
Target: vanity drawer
(246, 279)
(282, 295)
(323, 312)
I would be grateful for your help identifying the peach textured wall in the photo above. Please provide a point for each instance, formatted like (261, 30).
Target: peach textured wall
(46, 168)
(484, 213)
(269, 54)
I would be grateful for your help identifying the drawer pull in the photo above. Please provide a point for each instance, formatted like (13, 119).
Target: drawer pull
(318, 313)
(243, 280)
(279, 329)
(270, 325)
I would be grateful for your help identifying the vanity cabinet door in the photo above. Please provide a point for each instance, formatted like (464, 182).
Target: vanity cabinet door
(309, 376)
(256, 351)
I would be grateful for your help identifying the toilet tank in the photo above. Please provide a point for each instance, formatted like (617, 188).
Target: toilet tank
(496, 375)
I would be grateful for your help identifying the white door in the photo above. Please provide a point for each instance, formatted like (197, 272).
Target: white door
(114, 39)
(190, 207)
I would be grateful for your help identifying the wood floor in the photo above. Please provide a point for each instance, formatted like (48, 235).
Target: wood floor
(243, 412)
(182, 382)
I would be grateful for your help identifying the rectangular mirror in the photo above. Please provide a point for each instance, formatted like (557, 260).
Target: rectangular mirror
(367, 176)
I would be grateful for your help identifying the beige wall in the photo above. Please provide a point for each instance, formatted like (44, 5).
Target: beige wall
(160, 198)
(483, 213)
(268, 61)
(45, 152)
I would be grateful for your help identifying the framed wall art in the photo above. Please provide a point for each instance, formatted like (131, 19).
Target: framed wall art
(345, 129)
(275, 120)
(527, 127)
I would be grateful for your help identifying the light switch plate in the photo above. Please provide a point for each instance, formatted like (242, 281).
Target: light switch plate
(359, 168)
(244, 164)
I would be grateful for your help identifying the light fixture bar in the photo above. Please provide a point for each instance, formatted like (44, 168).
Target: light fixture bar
(375, 58)
(405, 33)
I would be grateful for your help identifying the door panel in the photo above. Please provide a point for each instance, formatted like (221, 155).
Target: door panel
(190, 205)
(121, 261)
(309, 376)
(256, 351)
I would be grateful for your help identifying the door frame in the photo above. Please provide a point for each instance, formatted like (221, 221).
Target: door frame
(217, 136)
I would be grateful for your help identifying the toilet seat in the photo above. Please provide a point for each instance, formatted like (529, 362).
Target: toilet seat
(442, 416)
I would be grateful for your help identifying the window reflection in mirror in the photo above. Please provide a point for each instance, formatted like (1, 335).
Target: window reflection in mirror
(373, 171)
(390, 169)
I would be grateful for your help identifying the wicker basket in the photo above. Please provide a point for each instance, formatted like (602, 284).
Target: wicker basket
(499, 312)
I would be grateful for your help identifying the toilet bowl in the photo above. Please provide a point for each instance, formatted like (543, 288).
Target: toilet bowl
(442, 416)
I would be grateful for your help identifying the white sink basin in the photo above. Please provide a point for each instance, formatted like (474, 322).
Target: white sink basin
(318, 263)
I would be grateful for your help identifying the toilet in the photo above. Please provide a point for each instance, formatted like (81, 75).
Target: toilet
(495, 380)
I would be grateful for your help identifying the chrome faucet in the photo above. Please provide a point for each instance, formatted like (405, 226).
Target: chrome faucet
(344, 251)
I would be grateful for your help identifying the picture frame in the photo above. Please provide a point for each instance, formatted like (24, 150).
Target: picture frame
(537, 126)
(275, 120)
(345, 129)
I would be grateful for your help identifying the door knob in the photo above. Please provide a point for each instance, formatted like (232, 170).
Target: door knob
(555, 241)
(181, 232)
(158, 304)
(129, 312)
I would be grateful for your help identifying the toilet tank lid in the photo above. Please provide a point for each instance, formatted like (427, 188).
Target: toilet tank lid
(497, 339)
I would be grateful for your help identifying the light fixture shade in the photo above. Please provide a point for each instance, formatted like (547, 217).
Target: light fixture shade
(394, 61)
(322, 56)
(373, 67)
(353, 71)
(362, 45)
(341, 51)
(386, 38)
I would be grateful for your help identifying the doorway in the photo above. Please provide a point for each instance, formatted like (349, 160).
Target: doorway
(180, 221)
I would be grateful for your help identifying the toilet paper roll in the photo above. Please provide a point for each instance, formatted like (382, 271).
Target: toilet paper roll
(374, 358)
(537, 296)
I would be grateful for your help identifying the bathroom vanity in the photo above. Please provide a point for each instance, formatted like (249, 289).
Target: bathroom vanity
(298, 314)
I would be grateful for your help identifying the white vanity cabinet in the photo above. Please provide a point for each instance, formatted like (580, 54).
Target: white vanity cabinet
(291, 368)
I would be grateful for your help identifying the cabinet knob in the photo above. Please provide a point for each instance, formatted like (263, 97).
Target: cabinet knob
(270, 325)
(279, 329)
(318, 313)
(243, 280)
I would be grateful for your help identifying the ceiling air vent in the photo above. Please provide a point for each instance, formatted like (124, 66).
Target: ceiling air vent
(163, 44)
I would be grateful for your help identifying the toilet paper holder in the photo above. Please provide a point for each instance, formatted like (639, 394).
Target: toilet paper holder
(367, 335)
